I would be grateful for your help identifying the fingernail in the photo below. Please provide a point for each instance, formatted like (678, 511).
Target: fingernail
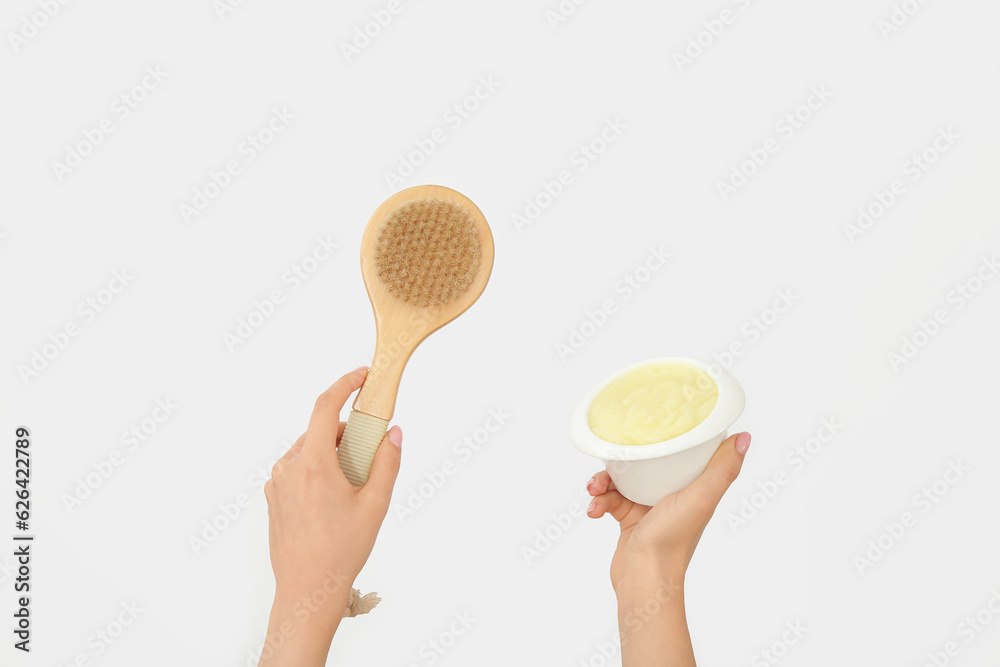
(360, 368)
(742, 443)
(396, 436)
(592, 506)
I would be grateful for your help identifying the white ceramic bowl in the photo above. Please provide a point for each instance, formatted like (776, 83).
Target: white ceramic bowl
(647, 473)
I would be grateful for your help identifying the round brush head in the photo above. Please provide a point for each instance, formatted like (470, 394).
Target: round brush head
(427, 252)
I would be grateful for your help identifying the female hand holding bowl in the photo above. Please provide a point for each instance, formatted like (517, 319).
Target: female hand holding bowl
(662, 490)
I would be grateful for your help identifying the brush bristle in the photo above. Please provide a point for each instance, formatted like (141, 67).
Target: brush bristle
(427, 252)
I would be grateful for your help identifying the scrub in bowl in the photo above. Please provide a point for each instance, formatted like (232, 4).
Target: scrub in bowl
(652, 403)
(656, 424)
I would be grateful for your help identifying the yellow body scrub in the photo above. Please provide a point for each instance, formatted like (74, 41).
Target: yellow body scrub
(653, 403)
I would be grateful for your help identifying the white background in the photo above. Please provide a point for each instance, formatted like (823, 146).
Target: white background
(686, 128)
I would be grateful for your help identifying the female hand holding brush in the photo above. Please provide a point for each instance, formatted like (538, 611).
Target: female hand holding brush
(426, 255)
(322, 530)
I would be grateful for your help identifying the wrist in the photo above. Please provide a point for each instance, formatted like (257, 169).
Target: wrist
(661, 577)
(647, 597)
(652, 622)
(299, 629)
(313, 593)
(312, 608)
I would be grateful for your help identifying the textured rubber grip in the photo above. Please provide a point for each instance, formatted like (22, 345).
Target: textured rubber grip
(358, 445)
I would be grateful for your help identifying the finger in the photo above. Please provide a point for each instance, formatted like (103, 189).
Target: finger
(600, 483)
(385, 468)
(721, 471)
(324, 424)
(611, 502)
(340, 432)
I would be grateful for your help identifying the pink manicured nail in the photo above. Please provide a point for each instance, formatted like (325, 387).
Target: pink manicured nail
(742, 443)
(360, 368)
(396, 436)
(591, 507)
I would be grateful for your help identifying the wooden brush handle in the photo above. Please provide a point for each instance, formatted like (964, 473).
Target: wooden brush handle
(393, 347)
(374, 406)
(372, 411)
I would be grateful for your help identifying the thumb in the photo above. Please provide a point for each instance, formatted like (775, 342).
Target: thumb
(385, 467)
(722, 470)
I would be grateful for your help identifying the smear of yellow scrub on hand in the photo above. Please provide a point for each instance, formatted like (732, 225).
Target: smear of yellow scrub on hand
(653, 403)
